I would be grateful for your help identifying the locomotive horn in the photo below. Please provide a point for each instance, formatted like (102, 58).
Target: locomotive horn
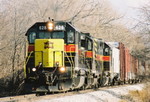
(51, 19)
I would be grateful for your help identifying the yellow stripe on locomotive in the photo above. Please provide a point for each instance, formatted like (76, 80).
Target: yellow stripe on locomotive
(49, 52)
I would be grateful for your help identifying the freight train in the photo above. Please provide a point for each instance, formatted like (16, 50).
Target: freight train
(61, 58)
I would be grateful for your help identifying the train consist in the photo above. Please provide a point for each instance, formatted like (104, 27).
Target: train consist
(61, 58)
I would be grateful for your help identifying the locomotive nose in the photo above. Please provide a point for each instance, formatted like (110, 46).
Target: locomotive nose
(50, 52)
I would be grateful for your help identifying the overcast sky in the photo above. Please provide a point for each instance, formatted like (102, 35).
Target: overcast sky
(128, 7)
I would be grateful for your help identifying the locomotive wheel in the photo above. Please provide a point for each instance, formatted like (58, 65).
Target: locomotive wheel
(41, 93)
(105, 81)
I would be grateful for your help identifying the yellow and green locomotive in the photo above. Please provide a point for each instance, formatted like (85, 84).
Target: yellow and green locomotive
(61, 58)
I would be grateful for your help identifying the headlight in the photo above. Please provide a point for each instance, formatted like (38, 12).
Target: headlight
(62, 69)
(50, 26)
(33, 69)
(57, 64)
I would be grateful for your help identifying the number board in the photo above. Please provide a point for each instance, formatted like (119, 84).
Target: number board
(42, 27)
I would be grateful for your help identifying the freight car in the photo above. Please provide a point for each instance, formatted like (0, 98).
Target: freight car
(61, 58)
(126, 64)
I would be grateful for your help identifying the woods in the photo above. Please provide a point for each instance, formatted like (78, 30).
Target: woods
(94, 16)
(143, 28)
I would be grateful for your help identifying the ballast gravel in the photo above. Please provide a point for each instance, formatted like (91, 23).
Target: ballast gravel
(116, 94)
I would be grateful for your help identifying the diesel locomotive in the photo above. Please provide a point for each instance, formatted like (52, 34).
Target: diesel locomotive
(61, 58)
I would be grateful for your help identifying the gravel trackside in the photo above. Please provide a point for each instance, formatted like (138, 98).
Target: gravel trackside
(101, 95)
(105, 94)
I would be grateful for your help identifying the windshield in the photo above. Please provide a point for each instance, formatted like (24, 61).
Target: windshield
(58, 35)
(49, 35)
(45, 35)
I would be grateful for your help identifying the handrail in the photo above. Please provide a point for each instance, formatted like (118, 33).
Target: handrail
(72, 60)
(71, 63)
(28, 57)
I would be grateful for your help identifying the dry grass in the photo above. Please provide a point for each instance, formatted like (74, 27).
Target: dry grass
(142, 95)
(123, 101)
(139, 95)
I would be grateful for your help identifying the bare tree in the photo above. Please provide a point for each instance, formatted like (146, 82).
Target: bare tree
(143, 28)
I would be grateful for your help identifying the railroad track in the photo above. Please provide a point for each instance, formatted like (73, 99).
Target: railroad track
(33, 97)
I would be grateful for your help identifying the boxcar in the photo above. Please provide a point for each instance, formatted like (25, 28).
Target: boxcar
(115, 62)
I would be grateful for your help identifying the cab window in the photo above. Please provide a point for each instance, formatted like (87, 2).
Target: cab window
(70, 37)
(44, 35)
(32, 37)
(51, 35)
(100, 48)
(58, 35)
(82, 37)
(89, 47)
